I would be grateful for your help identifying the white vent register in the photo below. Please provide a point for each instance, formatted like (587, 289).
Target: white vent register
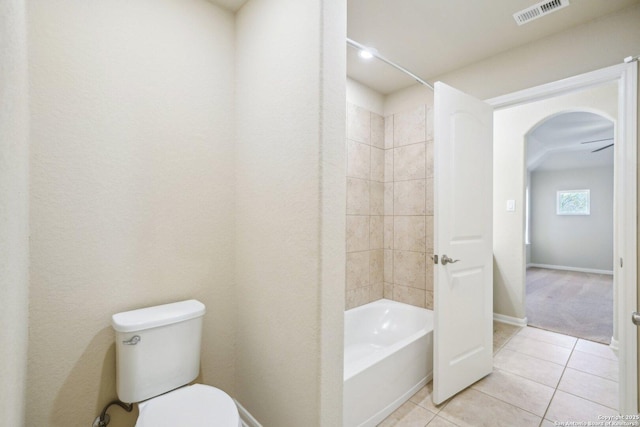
(539, 10)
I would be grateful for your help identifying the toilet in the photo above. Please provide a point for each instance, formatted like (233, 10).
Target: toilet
(157, 355)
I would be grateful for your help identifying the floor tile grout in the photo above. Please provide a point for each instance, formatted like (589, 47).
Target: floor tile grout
(559, 381)
(507, 337)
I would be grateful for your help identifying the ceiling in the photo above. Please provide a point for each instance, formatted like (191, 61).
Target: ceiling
(433, 37)
(559, 142)
(231, 5)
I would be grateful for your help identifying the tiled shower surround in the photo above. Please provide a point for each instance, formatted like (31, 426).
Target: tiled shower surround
(389, 206)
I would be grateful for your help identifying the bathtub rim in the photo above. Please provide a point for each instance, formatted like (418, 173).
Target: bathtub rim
(365, 362)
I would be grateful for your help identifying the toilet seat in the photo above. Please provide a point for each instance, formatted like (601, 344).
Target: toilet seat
(197, 405)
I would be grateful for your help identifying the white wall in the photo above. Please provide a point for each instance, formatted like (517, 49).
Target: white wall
(511, 127)
(578, 241)
(365, 97)
(14, 215)
(131, 188)
(290, 210)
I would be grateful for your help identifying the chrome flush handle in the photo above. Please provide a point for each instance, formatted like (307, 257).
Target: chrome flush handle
(446, 260)
(132, 341)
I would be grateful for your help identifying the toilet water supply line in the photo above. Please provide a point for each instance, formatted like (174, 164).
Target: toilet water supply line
(104, 418)
(362, 48)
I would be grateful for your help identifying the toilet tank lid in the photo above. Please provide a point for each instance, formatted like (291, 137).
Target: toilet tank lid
(159, 315)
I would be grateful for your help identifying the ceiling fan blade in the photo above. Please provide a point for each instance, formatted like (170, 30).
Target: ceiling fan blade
(597, 140)
(600, 149)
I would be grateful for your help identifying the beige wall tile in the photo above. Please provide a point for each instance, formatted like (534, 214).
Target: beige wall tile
(429, 159)
(388, 290)
(409, 127)
(376, 232)
(377, 164)
(429, 123)
(429, 300)
(358, 160)
(388, 266)
(376, 198)
(409, 269)
(377, 131)
(388, 132)
(428, 220)
(357, 297)
(409, 197)
(409, 233)
(428, 271)
(357, 196)
(357, 270)
(409, 162)
(376, 266)
(388, 232)
(428, 210)
(357, 233)
(388, 198)
(388, 165)
(358, 124)
(376, 292)
(409, 295)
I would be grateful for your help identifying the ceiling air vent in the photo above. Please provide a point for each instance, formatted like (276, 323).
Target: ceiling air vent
(539, 10)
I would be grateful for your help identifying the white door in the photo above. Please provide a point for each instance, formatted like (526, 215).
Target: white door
(463, 197)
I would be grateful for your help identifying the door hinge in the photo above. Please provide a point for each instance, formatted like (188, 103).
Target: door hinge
(621, 262)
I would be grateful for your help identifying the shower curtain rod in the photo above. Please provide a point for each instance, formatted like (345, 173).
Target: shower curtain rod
(373, 52)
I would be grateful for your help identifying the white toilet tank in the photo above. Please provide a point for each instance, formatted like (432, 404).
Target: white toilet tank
(157, 349)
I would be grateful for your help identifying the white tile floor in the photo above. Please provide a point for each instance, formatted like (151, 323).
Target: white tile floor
(539, 378)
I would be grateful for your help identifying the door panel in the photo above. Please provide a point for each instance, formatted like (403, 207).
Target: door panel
(463, 197)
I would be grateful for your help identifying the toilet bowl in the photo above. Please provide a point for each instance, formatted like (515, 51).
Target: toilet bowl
(157, 355)
(196, 405)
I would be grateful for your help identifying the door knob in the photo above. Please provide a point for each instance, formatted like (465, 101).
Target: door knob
(446, 260)
(635, 318)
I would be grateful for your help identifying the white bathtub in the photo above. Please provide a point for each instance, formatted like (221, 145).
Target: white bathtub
(388, 356)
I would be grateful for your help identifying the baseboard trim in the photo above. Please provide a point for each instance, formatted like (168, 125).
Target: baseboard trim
(565, 268)
(614, 346)
(246, 418)
(522, 322)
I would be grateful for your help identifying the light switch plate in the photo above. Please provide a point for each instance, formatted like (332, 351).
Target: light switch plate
(511, 205)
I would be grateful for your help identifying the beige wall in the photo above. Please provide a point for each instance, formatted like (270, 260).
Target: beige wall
(131, 189)
(14, 216)
(511, 125)
(290, 210)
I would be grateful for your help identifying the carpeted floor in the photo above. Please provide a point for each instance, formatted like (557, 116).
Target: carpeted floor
(571, 303)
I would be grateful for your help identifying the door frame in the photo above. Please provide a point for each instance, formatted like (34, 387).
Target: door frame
(625, 207)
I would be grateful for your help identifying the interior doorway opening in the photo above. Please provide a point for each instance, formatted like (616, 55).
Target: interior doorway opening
(569, 223)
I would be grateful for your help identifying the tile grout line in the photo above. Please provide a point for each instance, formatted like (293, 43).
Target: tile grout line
(559, 381)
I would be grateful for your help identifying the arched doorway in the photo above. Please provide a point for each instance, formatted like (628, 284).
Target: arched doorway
(569, 226)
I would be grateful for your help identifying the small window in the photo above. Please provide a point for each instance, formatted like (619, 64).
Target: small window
(573, 202)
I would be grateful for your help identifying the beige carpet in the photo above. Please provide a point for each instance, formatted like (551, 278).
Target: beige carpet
(571, 303)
